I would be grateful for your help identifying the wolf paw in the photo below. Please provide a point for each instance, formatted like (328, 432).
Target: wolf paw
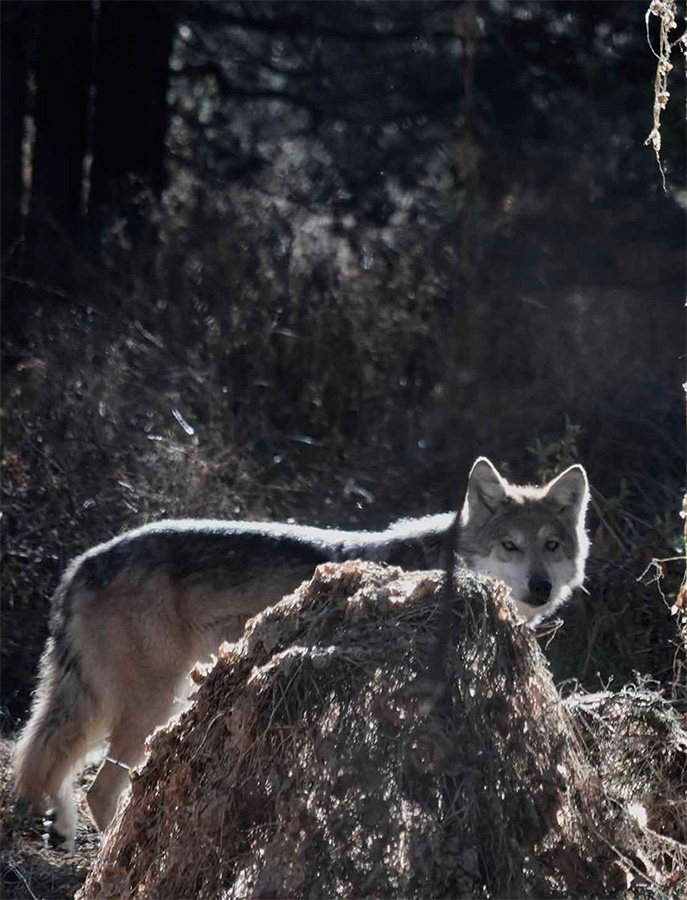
(56, 837)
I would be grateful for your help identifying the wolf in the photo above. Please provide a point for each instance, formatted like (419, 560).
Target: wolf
(131, 617)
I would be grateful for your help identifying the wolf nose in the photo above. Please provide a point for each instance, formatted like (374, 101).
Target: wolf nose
(540, 589)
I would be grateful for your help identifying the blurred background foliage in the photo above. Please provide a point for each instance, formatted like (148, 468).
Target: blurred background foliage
(308, 259)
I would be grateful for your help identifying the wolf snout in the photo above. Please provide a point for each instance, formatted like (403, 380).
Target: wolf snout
(540, 590)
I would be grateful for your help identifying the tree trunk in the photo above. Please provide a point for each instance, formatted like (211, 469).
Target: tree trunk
(62, 101)
(132, 76)
(13, 81)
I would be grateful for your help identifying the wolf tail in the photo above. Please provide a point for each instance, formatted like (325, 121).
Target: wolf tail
(62, 717)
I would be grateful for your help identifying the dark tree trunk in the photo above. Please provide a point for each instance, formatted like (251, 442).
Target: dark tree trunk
(132, 76)
(13, 75)
(62, 107)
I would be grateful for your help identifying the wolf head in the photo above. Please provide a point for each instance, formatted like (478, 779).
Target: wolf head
(531, 538)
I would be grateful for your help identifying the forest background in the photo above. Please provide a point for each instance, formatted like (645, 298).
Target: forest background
(305, 261)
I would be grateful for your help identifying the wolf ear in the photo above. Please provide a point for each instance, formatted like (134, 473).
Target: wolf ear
(486, 490)
(570, 491)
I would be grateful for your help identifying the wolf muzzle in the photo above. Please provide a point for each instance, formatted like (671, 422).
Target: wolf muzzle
(539, 590)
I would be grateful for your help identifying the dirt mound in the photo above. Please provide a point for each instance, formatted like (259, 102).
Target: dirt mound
(637, 746)
(307, 767)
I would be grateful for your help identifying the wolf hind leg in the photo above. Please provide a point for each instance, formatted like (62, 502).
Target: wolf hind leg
(62, 725)
(63, 817)
(127, 747)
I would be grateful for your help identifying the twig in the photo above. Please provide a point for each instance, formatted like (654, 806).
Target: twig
(445, 625)
(604, 521)
(17, 871)
(37, 286)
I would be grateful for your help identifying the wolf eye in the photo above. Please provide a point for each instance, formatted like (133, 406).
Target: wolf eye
(552, 545)
(509, 546)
